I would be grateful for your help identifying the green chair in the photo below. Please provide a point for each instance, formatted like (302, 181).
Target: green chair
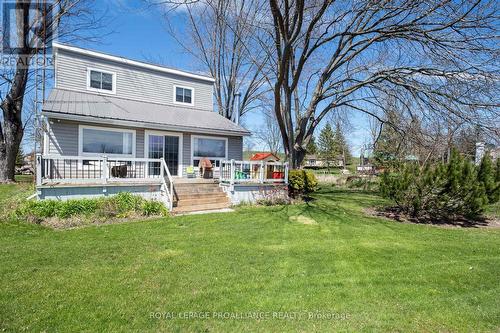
(190, 172)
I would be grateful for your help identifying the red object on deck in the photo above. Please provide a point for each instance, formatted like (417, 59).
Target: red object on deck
(278, 175)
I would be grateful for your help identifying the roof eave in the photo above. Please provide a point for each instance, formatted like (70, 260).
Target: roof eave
(143, 124)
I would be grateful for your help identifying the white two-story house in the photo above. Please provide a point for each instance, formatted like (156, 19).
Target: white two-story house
(114, 124)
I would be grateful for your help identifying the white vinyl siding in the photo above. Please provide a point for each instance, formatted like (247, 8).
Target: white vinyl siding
(132, 82)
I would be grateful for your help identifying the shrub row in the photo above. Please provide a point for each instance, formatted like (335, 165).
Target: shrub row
(120, 205)
(444, 190)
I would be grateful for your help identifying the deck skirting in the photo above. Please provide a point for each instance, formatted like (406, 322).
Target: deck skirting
(253, 192)
(68, 191)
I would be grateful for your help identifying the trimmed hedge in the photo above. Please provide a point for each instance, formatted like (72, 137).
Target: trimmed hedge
(121, 205)
(301, 182)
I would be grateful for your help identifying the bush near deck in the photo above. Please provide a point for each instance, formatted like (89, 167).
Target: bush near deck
(121, 205)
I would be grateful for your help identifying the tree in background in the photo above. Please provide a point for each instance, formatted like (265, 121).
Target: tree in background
(33, 33)
(341, 148)
(436, 57)
(268, 132)
(497, 174)
(387, 148)
(20, 157)
(326, 145)
(487, 176)
(312, 148)
(218, 33)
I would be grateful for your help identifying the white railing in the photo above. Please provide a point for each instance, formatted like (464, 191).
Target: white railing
(168, 183)
(55, 169)
(235, 172)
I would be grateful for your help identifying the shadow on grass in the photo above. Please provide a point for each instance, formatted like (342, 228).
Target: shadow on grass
(394, 213)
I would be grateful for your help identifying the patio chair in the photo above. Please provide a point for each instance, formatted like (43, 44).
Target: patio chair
(190, 172)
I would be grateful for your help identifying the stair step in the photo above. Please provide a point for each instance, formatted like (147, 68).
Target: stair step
(194, 208)
(197, 190)
(201, 201)
(195, 196)
(196, 185)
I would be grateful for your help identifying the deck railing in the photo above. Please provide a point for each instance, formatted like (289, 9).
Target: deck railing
(234, 172)
(55, 169)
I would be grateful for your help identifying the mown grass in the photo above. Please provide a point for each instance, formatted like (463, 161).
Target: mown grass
(376, 275)
(20, 190)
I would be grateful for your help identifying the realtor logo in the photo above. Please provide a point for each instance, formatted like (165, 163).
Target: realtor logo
(26, 26)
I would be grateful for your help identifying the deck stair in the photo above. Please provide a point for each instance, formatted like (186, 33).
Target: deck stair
(199, 195)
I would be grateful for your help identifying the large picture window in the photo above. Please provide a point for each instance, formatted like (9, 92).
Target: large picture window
(207, 147)
(106, 141)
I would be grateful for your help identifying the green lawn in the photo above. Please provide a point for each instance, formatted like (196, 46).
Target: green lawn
(376, 275)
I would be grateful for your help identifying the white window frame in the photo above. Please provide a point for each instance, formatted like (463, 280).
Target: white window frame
(193, 137)
(183, 87)
(89, 88)
(111, 129)
(147, 133)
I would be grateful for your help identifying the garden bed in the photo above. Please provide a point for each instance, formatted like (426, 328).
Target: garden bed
(395, 214)
(122, 207)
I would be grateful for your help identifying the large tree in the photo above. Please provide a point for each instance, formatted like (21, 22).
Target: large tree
(36, 24)
(437, 58)
(218, 33)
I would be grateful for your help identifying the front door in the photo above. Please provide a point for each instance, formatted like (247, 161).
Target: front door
(171, 154)
(166, 147)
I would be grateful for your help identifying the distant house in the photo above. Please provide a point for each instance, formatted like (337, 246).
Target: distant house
(266, 157)
(315, 161)
(488, 148)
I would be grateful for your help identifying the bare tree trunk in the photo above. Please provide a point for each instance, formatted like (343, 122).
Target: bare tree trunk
(49, 17)
(323, 53)
(11, 131)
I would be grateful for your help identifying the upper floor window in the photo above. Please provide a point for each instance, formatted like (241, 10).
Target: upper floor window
(99, 80)
(183, 95)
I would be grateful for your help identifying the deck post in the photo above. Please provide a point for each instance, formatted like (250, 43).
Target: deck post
(105, 169)
(38, 166)
(232, 171)
(261, 172)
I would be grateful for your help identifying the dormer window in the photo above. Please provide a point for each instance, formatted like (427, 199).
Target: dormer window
(102, 81)
(183, 95)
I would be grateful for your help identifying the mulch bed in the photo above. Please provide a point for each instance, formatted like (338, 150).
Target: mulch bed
(392, 213)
